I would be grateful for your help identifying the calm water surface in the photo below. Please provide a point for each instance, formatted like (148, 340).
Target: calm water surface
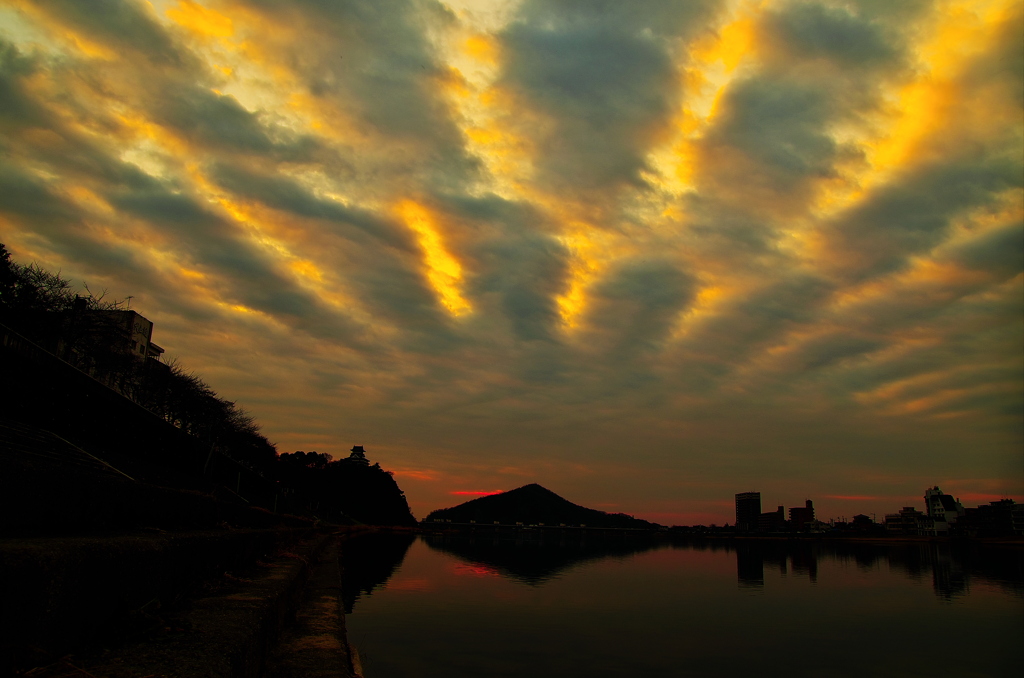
(482, 607)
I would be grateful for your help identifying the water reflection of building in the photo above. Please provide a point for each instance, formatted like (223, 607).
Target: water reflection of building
(749, 565)
(748, 510)
(950, 567)
(949, 579)
(753, 557)
(805, 561)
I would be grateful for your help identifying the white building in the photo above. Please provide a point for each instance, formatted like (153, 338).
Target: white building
(942, 508)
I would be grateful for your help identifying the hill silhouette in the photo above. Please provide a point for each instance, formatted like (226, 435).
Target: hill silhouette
(533, 505)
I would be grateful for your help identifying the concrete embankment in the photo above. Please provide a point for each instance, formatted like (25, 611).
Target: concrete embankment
(247, 604)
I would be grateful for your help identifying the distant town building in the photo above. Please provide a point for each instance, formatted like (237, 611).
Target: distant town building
(801, 516)
(748, 511)
(773, 521)
(862, 523)
(942, 508)
(997, 518)
(909, 521)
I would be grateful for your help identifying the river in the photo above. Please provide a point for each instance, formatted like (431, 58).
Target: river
(483, 607)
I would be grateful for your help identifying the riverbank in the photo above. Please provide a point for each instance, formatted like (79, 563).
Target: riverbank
(248, 619)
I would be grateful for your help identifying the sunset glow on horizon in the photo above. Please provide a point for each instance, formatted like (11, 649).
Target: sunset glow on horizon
(647, 255)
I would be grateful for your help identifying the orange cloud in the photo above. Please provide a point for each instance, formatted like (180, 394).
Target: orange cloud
(201, 20)
(443, 270)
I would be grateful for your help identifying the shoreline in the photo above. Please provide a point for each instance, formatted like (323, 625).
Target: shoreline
(669, 534)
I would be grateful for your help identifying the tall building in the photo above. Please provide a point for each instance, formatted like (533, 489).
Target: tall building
(748, 509)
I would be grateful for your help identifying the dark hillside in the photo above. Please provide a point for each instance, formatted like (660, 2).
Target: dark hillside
(345, 489)
(95, 418)
(533, 505)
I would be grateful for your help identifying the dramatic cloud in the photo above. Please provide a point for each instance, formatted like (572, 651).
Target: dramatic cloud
(647, 254)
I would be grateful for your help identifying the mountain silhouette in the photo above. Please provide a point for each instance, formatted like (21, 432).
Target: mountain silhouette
(533, 505)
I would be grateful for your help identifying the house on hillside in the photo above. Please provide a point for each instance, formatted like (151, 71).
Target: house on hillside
(114, 347)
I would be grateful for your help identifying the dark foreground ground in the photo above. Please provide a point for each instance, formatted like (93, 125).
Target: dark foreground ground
(278, 616)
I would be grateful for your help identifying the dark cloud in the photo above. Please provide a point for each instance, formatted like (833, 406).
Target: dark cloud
(944, 379)
(832, 349)
(913, 215)
(782, 124)
(219, 248)
(634, 308)
(895, 13)
(1005, 63)
(124, 25)
(17, 108)
(661, 17)
(791, 300)
(730, 235)
(375, 60)
(606, 79)
(511, 258)
(30, 198)
(749, 324)
(1000, 251)
(284, 194)
(396, 291)
(58, 225)
(241, 273)
(214, 121)
(528, 272)
(812, 30)
(67, 150)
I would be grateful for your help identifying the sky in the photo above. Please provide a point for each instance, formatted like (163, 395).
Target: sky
(648, 254)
